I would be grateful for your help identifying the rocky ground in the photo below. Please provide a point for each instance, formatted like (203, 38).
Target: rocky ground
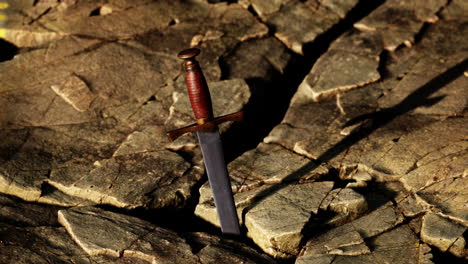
(354, 148)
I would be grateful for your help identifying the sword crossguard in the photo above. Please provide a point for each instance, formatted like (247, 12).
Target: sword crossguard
(200, 98)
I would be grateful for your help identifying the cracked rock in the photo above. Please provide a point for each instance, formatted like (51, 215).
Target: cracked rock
(257, 58)
(377, 221)
(276, 222)
(271, 164)
(87, 99)
(16, 212)
(352, 243)
(215, 249)
(104, 233)
(139, 162)
(263, 211)
(347, 203)
(207, 210)
(448, 197)
(410, 206)
(397, 22)
(450, 100)
(101, 232)
(81, 112)
(75, 92)
(253, 178)
(338, 71)
(216, 29)
(44, 245)
(353, 59)
(340, 134)
(124, 20)
(455, 10)
(444, 234)
(108, 182)
(340, 242)
(296, 22)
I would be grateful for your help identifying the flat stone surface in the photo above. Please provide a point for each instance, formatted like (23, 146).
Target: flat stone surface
(325, 135)
(444, 234)
(329, 132)
(455, 10)
(296, 23)
(346, 136)
(206, 208)
(353, 59)
(215, 249)
(46, 242)
(263, 209)
(271, 164)
(265, 220)
(452, 97)
(338, 71)
(254, 173)
(346, 202)
(44, 245)
(346, 244)
(108, 182)
(397, 22)
(14, 211)
(89, 118)
(99, 232)
(448, 197)
(257, 58)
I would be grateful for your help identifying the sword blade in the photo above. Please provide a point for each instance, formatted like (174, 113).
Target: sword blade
(218, 178)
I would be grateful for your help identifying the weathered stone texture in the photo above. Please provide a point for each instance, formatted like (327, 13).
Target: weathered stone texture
(44, 245)
(263, 197)
(214, 249)
(339, 71)
(256, 58)
(263, 210)
(397, 22)
(327, 134)
(266, 220)
(86, 111)
(375, 176)
(270, 164)
(346, 203)
(444, 234)
(449, 100)
(353, 59)
(13, 211)
(408, 128)
(106, 233)
(296, 22)
(346, 244)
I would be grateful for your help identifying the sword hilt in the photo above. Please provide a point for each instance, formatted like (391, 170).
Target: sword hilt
(200, 98)
(197, 88)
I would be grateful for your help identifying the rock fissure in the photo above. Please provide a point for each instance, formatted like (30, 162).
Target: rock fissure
(383, 163)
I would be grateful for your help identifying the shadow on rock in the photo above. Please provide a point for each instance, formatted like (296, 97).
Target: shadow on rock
(374, 121)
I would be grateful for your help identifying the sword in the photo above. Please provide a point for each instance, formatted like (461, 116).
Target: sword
(206, 127)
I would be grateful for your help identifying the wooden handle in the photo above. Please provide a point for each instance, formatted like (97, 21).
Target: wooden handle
(197, 88)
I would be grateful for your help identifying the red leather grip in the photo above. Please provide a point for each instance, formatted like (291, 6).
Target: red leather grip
(198, 92)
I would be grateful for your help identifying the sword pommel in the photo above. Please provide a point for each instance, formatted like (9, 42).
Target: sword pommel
(200, 98)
